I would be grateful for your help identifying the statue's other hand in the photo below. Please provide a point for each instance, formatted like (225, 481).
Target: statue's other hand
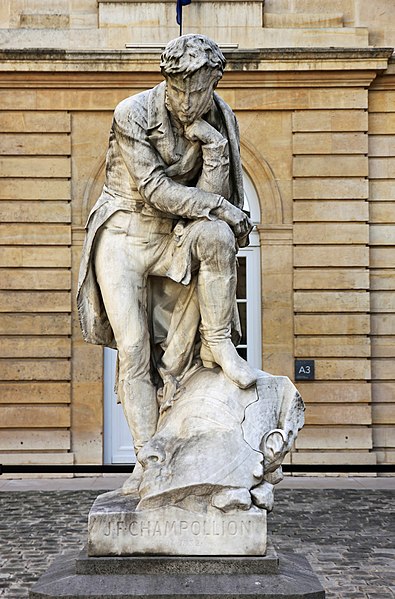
(238, 220)
(202, 131)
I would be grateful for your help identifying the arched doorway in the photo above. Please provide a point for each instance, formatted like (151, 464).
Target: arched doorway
(118, 446)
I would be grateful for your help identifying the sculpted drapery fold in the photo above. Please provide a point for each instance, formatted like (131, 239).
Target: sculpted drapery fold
(155, 165)
(158, 281)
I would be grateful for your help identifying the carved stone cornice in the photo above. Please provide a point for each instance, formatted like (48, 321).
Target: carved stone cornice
(386, 81)
(357, 65)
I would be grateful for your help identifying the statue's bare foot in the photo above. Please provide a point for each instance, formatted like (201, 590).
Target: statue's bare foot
(234, 367)
(131, 485)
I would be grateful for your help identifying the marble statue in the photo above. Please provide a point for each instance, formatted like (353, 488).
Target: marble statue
(158, 283)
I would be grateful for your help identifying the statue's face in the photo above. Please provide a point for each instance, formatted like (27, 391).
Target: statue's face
(191, 97)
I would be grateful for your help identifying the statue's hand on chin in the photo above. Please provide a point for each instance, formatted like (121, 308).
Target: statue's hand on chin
(201, 130)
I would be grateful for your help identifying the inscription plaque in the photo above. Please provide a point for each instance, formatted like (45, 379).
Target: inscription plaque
(157, 528)
(172, 530)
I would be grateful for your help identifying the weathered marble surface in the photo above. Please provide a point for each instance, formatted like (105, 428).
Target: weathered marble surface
(158, 269)
(116, 527)
(207, 474)
(217, 442)
(158, 281)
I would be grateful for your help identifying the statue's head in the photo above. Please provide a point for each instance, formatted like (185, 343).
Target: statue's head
(189, 53)
(192, 66)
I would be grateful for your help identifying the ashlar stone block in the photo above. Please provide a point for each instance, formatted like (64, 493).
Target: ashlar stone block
(116, 528)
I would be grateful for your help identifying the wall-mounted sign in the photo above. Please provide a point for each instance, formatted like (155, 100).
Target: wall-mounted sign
(304, 370)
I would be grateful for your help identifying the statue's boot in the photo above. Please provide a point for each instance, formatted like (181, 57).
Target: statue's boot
(140, 406)
(233, 366)
(217, 280)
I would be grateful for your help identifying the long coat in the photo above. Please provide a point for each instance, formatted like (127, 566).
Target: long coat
(141, 148)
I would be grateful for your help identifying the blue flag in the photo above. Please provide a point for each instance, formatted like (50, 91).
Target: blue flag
(180, 4)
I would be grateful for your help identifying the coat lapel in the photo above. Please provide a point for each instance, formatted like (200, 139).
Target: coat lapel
(159, 130)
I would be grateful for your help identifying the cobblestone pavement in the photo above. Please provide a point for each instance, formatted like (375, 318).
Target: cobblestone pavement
(347, 535)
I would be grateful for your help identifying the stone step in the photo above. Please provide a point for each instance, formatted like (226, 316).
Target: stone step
(302, 20)
(162, 565)
(294, 580)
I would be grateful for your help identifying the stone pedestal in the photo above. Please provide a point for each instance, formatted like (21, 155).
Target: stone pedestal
(156, 577)
(116, 528)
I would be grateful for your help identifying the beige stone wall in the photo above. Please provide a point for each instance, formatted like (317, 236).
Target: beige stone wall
(254, 23)
(331, 277)
(382, 260)
(317, 142)
(109, 24)
(35, 261)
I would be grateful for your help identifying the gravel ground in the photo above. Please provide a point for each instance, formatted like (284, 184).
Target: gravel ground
(346, 534)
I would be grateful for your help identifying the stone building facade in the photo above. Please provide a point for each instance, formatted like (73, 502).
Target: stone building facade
(312, 83)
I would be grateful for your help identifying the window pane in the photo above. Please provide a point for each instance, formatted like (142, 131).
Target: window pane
(242, 278)
(242, 306)
(242, 351)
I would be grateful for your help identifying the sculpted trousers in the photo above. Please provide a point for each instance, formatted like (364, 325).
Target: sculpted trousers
(131, 247)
